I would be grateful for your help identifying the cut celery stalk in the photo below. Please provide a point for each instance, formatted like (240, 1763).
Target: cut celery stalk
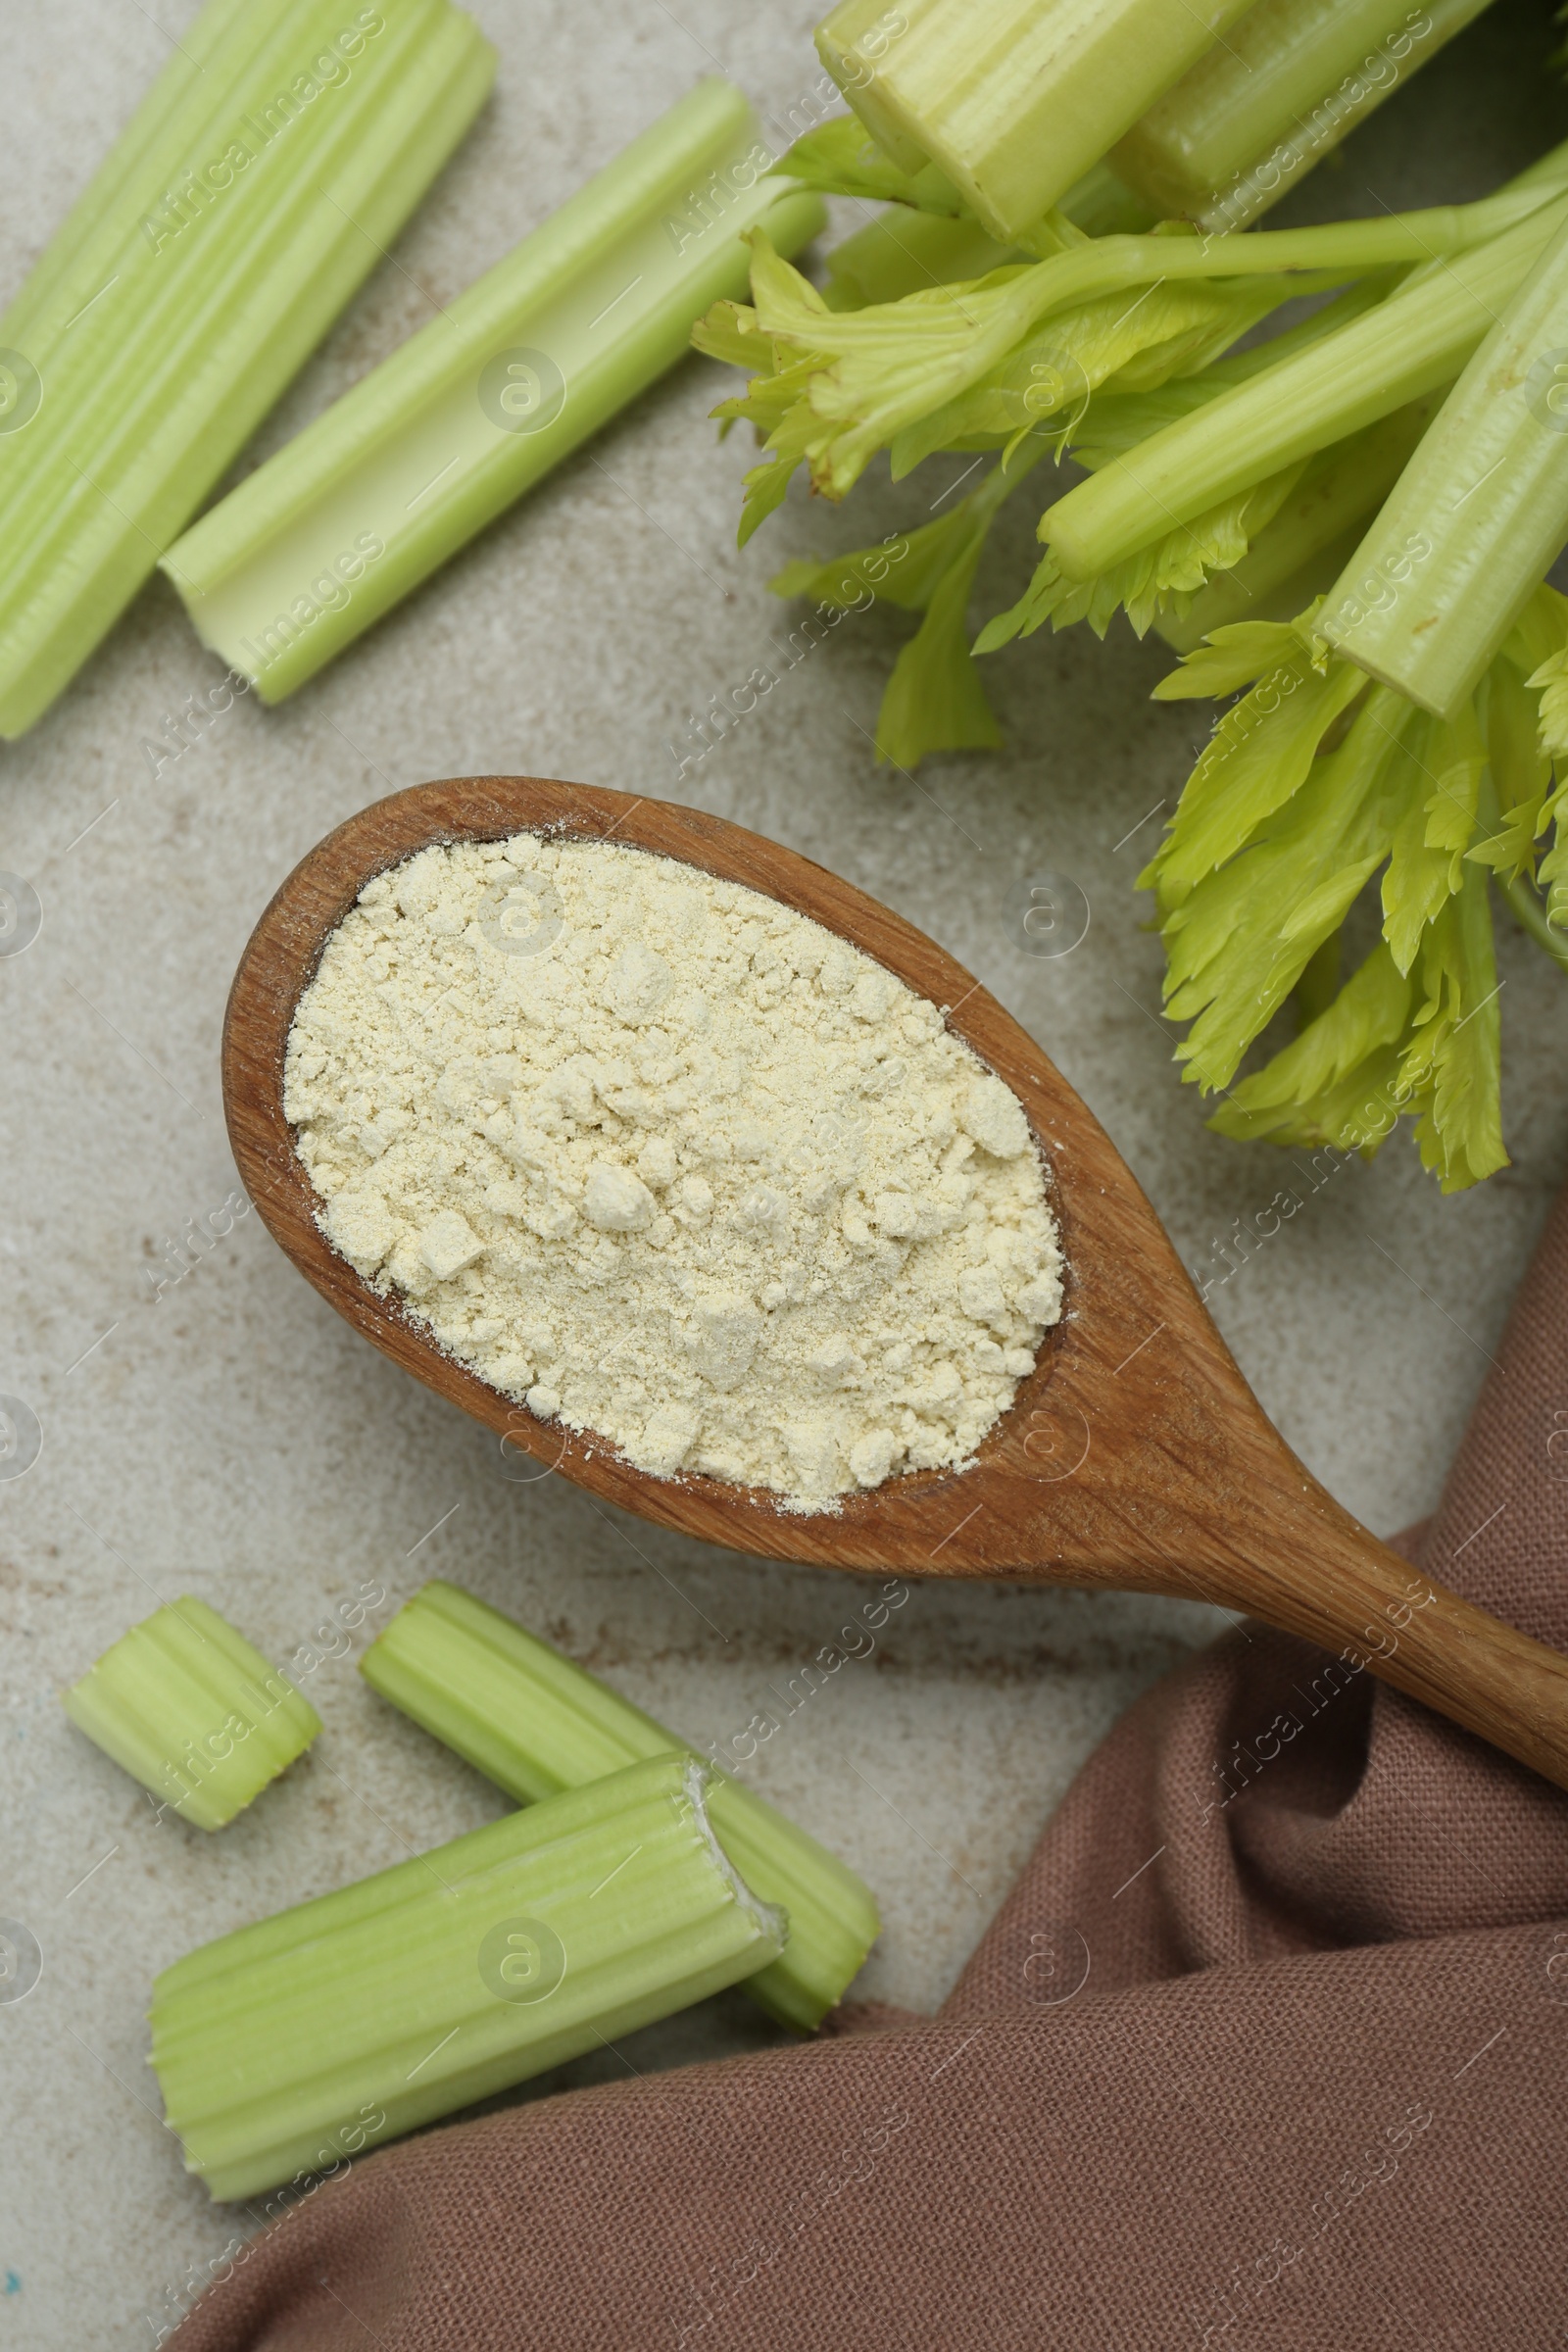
(1325, 512)
(216, 246)
(287, 2046)
(1015, 100)
(534, 1723)
(1477, 515)
(1419, 338)
(186, 1705)
(583, 315)
(1264, 104)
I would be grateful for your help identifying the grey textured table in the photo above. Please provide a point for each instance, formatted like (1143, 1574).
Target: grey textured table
(231, 1438)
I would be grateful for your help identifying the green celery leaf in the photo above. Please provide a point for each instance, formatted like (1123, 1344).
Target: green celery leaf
(1520, 773)
(1453, 1066)
(911, 580)
(1258, 757)
(1162, 578)
(1326, 1085)
(1232, 658)
(1542, 633)
(1541, 630)
(1238, 940)
(934, 700)
(1446, 759)
(1357, 1115)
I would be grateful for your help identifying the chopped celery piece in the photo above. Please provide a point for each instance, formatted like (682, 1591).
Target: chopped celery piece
(1416, 340)
(583, 315)
(289, 2046)
(1013, 100)
(1477, 515)
(1268, 102)
(535, 1723)
(273, 162)
(1323, 514)
(186, 1706)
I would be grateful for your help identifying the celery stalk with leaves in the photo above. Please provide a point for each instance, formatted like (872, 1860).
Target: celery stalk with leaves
(1479, 513)
(1117, 348)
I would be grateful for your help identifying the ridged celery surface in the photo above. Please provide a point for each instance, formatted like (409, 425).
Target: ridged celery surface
(1479, 514)
(1419, 338)
(288, 2045)
(1306, 544)
(534, 1723)
(583, 315)
(186, 1705)
(277, 156)
(1283, 88)
(1015, 100)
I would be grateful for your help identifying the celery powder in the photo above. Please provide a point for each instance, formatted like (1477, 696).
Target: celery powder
(667, 1161)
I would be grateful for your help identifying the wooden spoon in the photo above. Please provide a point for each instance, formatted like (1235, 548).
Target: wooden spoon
(1134, 1456)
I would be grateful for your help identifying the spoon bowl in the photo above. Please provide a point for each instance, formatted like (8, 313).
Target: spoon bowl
(1134, 1456)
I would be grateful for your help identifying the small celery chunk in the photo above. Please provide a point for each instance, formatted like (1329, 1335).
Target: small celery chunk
(187, 1707)
(535, 1722)
(288, 2047)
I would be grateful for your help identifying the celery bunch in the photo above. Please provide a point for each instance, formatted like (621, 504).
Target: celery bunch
(1403, 448)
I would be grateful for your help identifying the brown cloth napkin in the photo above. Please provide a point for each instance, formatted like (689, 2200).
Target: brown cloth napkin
(1268, 2048)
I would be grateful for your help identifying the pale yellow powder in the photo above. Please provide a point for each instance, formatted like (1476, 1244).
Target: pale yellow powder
(669, 1162)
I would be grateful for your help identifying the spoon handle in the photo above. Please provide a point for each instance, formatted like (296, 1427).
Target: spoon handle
(1335, 1583)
